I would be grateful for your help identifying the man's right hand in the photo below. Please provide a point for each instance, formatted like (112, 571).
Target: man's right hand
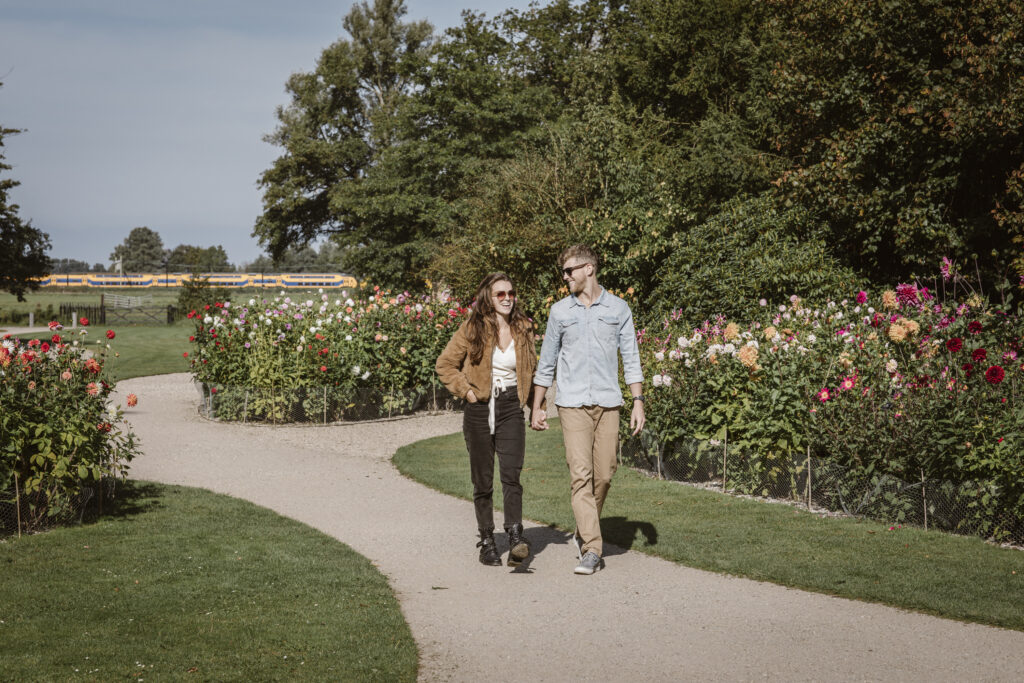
(539, 420)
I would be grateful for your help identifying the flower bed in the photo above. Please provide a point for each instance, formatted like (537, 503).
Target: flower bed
(895, 384)
(59, 438)
(321, 357)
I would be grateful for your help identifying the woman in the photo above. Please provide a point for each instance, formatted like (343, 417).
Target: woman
(489, 362)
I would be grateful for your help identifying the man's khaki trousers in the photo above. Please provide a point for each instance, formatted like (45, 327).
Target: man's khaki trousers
(591, 435)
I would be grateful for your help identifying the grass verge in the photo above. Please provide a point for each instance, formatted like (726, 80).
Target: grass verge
(184, 583)
(141, 350)
(950, 576)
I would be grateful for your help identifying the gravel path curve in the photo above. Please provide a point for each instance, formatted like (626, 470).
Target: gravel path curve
(642, 618)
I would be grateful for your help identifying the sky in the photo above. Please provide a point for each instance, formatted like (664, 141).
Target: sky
(152, 113)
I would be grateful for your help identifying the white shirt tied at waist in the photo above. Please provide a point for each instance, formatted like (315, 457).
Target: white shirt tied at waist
(503, 375)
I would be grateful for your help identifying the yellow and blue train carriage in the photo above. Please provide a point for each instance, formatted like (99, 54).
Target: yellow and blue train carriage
(229, 280)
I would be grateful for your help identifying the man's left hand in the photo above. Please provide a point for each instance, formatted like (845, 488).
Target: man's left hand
(637, 418)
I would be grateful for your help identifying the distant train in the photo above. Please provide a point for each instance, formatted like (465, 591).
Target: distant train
(232, 280)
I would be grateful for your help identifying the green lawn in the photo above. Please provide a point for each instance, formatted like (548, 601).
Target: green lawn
(140, 350)
(951, 576)
(183, 584)
(144, 350)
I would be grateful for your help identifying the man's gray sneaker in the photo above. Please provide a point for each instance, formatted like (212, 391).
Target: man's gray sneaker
(590, 563)
(577, 543)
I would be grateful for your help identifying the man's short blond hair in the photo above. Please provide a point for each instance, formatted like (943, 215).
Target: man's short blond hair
(581, 252)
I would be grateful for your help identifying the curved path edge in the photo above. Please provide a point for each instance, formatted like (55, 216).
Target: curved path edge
(642, 618)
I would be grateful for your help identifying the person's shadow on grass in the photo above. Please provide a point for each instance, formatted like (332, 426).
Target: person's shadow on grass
(621, 534)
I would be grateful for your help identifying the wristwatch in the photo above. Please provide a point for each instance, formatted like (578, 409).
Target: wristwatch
(640, 398)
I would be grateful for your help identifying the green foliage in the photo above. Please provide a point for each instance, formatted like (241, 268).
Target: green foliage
(186, 257)
(903, 123)
(22, 247)
(751, 250)
(918, 388)
(197, 293)
(57, 433)
(890, 131)
(340, 116)
(141, 252)
(284, 352)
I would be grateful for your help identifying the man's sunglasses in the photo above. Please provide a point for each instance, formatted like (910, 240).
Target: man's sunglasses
(568, 271)
(500, 296)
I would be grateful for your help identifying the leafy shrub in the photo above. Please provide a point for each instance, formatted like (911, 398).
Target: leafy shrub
(284, 347)
(57, 433)
(748, 251)
(197, 292)
(894, 383)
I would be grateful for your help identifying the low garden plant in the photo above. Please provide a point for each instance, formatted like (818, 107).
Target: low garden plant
(278, 354)
(59, 434)
(903, 382)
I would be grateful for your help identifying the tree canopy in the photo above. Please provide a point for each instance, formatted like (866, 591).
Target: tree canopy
(864, 140)
(142, 251)
(22, 247)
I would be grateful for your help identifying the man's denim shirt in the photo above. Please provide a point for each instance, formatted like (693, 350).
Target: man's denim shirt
(581, 347)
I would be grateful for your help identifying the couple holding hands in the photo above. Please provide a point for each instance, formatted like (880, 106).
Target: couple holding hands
(491, 362)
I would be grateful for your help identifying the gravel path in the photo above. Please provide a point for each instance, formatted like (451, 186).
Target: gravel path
(642, 618)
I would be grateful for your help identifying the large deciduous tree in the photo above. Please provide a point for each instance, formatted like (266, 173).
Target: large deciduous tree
(341, 116)
(22, 247)
(141, 251)
(186, 257)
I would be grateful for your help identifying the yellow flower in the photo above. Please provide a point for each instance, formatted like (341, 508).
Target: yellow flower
(845, 360)
(770, 332)
(731, 331)
(975, 301)
(748, 356)
(889, 299)
(912, 326)
(897, 332)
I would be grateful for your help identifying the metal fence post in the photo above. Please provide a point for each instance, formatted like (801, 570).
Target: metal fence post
(725, 457)
(17, 501)
(325, 405)
(808, 476)
(924, 500)
(245, 405)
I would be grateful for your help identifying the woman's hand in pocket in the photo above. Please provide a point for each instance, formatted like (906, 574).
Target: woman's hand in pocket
(470, 397)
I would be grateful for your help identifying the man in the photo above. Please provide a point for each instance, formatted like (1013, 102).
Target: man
(586, 332)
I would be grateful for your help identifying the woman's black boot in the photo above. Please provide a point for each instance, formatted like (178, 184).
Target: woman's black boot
(518, 546)
(488, 549)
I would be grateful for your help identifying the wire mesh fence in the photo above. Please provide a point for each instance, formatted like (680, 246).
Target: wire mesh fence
(318, 405)
(967, 508)
(27, 513)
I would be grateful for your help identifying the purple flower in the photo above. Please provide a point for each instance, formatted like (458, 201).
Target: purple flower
(946, 268)
(862, 297)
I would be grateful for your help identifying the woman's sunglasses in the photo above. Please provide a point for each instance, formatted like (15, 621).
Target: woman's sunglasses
(500, 296)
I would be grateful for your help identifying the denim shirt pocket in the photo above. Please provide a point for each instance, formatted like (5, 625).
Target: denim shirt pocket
(569, 330)
(607, 330)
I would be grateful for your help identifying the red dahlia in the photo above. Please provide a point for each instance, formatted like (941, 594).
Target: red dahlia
(994, 375)
(974, 327)
(979, 355)
(955, 344)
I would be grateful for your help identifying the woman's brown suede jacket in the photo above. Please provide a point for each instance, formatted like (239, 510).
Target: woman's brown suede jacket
(459, 374)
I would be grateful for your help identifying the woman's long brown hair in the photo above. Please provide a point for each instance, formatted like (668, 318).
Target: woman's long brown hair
(482, 329)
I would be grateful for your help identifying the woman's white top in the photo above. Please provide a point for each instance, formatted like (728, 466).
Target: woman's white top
(503, 375)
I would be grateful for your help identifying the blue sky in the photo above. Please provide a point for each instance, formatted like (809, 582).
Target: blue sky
(150, 112)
